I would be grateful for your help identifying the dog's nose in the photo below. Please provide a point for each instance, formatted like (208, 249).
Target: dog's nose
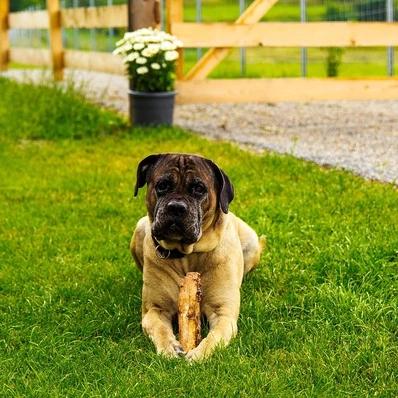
(177, 208)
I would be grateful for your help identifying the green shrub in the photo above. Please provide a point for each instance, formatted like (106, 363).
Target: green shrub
(335, 12)
(333, 61)
(371, 10)
(59, 111)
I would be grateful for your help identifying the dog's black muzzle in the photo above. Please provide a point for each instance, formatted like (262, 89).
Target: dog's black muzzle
(175, 220)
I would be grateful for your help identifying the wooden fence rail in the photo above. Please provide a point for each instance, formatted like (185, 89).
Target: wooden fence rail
(29, 20)
(95, 17)
(246, 31)
(285, 89)
(288, 34)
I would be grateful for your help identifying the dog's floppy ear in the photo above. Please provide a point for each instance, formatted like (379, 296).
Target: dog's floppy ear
(143, 171)
(225, 188)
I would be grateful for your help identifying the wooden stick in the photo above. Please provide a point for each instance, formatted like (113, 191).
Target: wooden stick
(189, 311)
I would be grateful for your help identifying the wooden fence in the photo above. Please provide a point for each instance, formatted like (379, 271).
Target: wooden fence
(246, 31)
(54, 19)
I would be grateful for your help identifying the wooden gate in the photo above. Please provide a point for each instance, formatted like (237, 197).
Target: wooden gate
(247, 31)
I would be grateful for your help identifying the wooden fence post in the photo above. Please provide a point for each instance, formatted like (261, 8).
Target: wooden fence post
(143, 14)
(4, 39)
(57, 53)
(175, 13)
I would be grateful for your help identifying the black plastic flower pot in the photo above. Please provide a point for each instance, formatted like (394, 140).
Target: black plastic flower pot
(151, 109)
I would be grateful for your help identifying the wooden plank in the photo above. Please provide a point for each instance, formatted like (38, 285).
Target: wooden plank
(285, 89)
(95, 17)
(31, 56)
(288, 34)
(57, 56)
(4, 39)
(214, 56)
(29, 20)
(175, 14)
(90, 60)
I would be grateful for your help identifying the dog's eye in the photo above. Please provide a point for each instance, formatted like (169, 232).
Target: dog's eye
(163, 186)
(198, 189)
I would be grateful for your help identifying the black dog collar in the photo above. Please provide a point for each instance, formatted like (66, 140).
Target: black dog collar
(166, 254)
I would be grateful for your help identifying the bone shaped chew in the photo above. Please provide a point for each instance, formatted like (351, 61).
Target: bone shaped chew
(189, 311)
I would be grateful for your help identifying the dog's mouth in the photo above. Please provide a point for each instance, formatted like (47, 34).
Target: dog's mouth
(174, 232)
(174, 239)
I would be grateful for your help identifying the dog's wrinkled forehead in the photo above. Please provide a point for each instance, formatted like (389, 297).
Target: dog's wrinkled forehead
(182, 168)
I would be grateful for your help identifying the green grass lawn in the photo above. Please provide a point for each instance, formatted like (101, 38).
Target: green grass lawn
(318, 318)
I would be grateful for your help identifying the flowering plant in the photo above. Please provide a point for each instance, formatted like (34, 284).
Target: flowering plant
(150, 56)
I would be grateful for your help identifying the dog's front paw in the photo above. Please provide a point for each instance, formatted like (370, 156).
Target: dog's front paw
(178, 349)
(199, 353)
(172, 350)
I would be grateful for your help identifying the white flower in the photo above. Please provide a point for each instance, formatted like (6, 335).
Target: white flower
(130, 35)
(120, 42)
(148, 52)
(131, 57)
(155, 66)
(127, 47)
(144, 31)
(167, 46)
(138, 46)
(170, 55)
(141, 60)
(123, 49)
(117, 51)
(153, 39)
(164, 64)
(142, 70)
(154, 47)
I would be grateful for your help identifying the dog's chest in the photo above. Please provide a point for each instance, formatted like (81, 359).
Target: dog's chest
(193, 263)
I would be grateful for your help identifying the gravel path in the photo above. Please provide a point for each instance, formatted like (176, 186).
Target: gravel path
(361, 136)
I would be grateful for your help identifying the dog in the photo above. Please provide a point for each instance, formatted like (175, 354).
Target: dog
(188, 228)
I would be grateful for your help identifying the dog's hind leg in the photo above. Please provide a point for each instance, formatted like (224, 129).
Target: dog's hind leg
(137, 242)
(252, 245)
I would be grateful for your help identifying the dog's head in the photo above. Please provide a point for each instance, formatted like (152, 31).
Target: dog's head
(185, 195)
